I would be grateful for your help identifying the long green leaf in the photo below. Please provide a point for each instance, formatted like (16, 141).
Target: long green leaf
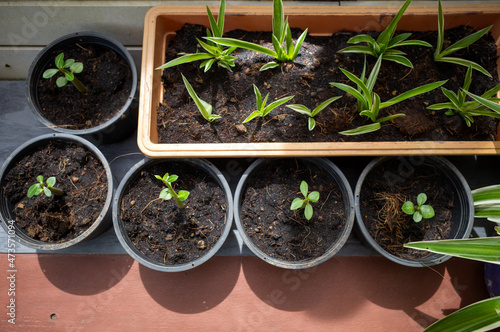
(387, 34)
(362, 38)
(298, 44)
(398, 39)
(485, 102)
(452, 97)
(359, 83)
(492, 92)
(242, 44)
(349, 89)
(204, 107)
(275, 104)
(362, 129)
(464, 42)
(486, 195)
(465, 63)
(221, 17)
(440, 38)
(480, 316)
(372, 78)
(390, 117)
(489, 211)
(442, 106)
(213, 24)
(412, 93)
(398, 59)
(483, 249)
(300, 109)
(324, 104)
(278, 18)
(185, 59)
(414, 43)
(358, 49)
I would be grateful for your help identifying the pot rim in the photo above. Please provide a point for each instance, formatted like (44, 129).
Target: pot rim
(345, 188)
(20, 236)
(129, 247)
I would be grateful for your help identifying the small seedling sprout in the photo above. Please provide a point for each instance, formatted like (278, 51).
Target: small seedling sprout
(214, 52)
(311, 123)
(169, 192)
(47, 188)
(386, 43)
(441, 55)
(284, 49)
(299, 203)
(204, 107)
(69, 68)
(419, 211)
(485, 105)
(263, 110)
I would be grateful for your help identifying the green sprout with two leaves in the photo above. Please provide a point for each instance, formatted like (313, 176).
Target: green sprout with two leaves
(441, 55)
(204, 107)
(305, 203)
(386, 43)
(263, 110)
(284, 48)
(69, 68)
(302, 109)
(484, 105)
(369, 104)
(169, 192)
(215, 53)
(420, 210)
(47, 188)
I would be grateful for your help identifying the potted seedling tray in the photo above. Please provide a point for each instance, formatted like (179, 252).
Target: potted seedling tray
(162, 22)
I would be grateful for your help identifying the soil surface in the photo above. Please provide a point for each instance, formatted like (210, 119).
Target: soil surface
(81, 176)
(280, 232)
(107, 77)
(391, 184)
(161, 230)
(308, 79)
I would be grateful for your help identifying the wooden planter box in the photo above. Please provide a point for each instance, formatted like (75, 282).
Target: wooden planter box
(161, 22)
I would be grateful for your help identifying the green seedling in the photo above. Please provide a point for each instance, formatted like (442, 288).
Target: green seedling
(441, 55)
(47, 188)
(204, 107)
(485, 105)
(299, 203)
(369, 104)
(69, 68)
(169, 192)
(263, 110)
(386, 43)
(311, 123)
(284, 49)
(419, 211)
(215, 53)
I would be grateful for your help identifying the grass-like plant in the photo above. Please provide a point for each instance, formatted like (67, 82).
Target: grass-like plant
(47, 188)
(69, 68)
(441, 55)
(284, 48)
(215, 53)
(420, 210)
(302, 109)
(369, 104)
(204, 107)
(386, 43)
(169, 192)
(263, 110)
(305, 203)
(484, 105)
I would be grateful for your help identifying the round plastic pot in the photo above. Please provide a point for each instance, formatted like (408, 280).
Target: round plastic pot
(102, 223)
(131, 249)
(115, 129)
(463, 217)
(336, 175)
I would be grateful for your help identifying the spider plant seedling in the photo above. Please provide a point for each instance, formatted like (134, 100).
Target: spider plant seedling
(486, 104)
(284, 49)
(369, 104)
(419, 211)
(386, 43)
(311, 123)
(69, 68)
(47, 188)
(441, 55)
(305, 203)
(215, 53)
(263, 110)
(204, 107)
(169, 192)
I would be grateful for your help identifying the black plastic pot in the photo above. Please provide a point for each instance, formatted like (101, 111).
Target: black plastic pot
(132, 250)
(116, 128)
(463, 216)
(348, 200)
(102, 223)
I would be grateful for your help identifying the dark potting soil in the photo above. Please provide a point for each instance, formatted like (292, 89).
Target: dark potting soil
(280, 232)
(161, 230)
(107, 77)
(308, 79)
(81, 176)
(391, 184)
